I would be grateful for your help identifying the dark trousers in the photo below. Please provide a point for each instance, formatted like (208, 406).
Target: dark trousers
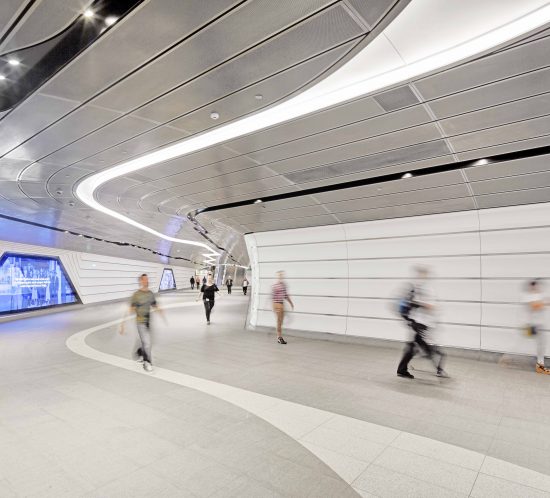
(229, 289)
(192, 286)
(208, 305)
(244, 290)
(418, 341)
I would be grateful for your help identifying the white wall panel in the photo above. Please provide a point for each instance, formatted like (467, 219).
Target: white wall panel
(479, 262)
(100, 278)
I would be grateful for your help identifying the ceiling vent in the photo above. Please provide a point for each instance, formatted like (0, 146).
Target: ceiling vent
(396, 98)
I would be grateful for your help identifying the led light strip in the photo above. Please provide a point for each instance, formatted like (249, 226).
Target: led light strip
(354, 79)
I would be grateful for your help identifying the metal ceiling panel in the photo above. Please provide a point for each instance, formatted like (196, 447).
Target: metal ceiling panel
(397, 156)
(111, 134)
(234, 195)
(9, 9)
(10, 190)
(249, 24)
(129, 45)
(272, 90)
(280, 205)
(521, 110)
(44, 20)
(268, 216)
(519, 87)
(306, 40)
(508, 168)
(372, 11)
(334, 118)
(504, 149)
(502, 134)
(373, 135)
(528, 57)
(77, 124)
(447, 206)
(34, 189)
(294, 223)
(145, 142)
(69, 175)
(511, 183)
(10, 169)
(405, 185)
(400, 199)
(38, 172)
(396, 98)
(531, 196)
(29, 118)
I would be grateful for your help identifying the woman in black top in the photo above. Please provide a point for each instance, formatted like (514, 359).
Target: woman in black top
(208, 291)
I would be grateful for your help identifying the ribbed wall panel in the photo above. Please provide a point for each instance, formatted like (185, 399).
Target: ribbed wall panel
(346, 279)
(103, 278)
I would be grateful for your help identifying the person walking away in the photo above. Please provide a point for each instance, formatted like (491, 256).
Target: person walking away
(208, 291)
(245, 286)
(279, 294)
(229, 283)
(534, 301)
(192, 282)
(203, 280)
(141, 303)
(417, 308)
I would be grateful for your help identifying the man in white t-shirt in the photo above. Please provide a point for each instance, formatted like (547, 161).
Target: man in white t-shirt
(534, 300)
(420, 319)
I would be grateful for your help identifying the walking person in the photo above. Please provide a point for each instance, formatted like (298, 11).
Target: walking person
(141, 303)
(192, 282)
(229, 283)
(203, 281)
(534, 300)
(245, 286)
(417, 308)
(279, 294)
(208, 291)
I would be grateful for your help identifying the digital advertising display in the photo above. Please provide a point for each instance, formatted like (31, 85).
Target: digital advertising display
(30, 282)
(167, 282)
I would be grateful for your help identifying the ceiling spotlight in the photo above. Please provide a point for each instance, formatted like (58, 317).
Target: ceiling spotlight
(258, 96)
(109, 21)
(2, 77)
(71, 203)
(66, 231)
(13, 62)
(80, 235)
(59, 192)
(407, 175)
(258, 201)
(88, 13)
(214, 115)
(481, 162)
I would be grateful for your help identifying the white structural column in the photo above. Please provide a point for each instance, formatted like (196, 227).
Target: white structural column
(479, 262)
(375, 460)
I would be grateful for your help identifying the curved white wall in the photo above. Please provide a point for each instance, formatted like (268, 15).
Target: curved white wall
(344, 278)
(102, 278)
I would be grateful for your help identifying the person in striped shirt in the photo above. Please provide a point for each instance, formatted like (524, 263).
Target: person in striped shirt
(279, 294)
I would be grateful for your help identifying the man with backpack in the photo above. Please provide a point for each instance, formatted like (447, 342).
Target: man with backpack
(417, 309)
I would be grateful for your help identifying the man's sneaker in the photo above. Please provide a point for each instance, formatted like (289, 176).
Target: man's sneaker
(442, 373)
(139, 359)
(147, 366)
(541, 369)
(280, 340)
(406, 375)
(208, 322)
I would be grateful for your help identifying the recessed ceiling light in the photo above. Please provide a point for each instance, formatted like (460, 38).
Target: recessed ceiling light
(214, 115)
(109, 21)
(259, 96)
(13, 62)
(2, 77)
(481, 162)
(407, 175)
(258, 201)
(88, 13)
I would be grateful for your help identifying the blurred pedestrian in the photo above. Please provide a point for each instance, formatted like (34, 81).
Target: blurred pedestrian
(208, 291)
(279, 294)
(141, 303)
(229, 283)
(245, 286)
(192, 282)
(534, 301)
(417, 308)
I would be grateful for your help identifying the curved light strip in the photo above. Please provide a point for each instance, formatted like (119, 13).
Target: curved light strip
(369, 71)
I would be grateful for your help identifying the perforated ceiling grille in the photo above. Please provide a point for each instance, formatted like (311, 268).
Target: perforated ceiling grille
(396, 99)
(389, 158)
(372, 10)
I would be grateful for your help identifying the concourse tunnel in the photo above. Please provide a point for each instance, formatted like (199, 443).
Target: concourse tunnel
(258, 248)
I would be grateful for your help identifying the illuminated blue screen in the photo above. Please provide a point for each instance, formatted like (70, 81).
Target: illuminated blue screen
(32, 282)
(167, 282)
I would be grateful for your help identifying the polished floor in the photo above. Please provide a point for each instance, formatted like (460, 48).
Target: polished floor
(228, 412)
